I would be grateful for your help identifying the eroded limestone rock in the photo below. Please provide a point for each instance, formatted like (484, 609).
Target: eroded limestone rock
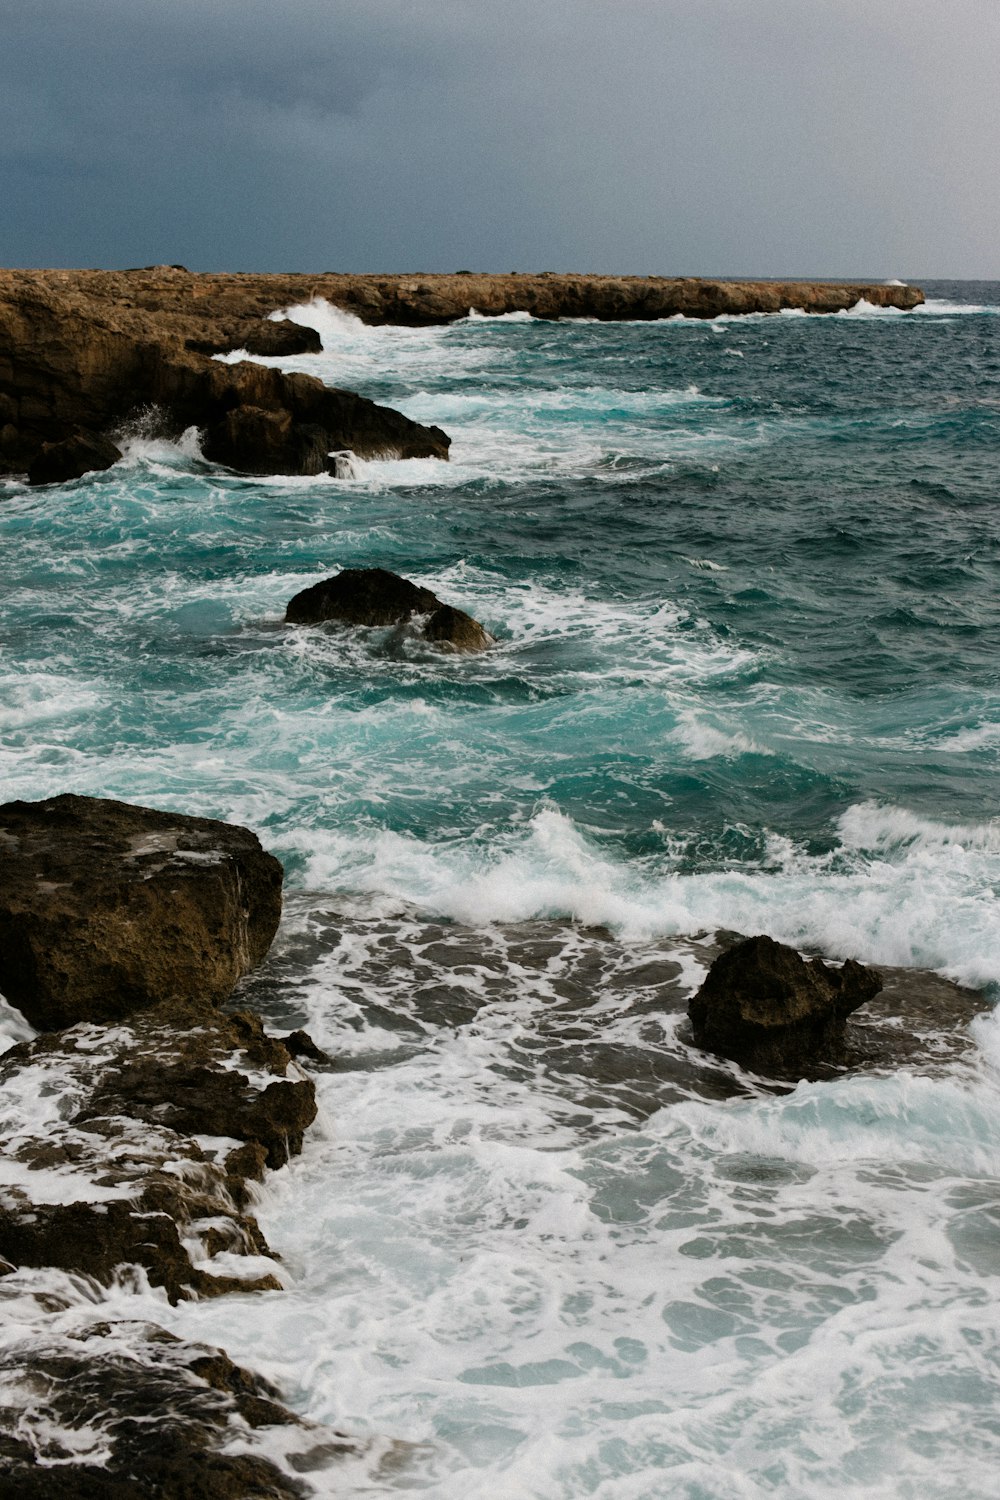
(771, 1011)
(135, 1144)
(127, 1411)
(106, 908)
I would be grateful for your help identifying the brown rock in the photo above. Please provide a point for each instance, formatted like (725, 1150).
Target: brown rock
(374, 596)
(87, 350)
(156, 1129)
(163, 1414)
(106, 908)
(256, 441)
(454, 628)
(81, 453)
(768, 1009)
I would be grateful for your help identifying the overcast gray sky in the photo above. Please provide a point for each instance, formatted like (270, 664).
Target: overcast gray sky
(781, 137)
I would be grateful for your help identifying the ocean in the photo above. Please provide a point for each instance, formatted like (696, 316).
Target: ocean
(744, 579)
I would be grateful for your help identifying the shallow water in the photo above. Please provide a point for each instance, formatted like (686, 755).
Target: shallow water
(744, 579)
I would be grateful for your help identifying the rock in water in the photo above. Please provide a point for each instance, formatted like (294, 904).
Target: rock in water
(126, 1411)
(81, 453)
(374, 596)
(106, 908)
(454, 628)
(361, 596)
(257, 441)
(153, 1130)
(768, 1009)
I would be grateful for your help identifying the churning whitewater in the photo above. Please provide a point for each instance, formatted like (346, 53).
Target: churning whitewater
(743, 577)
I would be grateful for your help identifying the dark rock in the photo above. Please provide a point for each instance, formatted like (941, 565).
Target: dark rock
(361, 596)
(256, 441)
(454, 628)
(154, 1129)
(274, 338)
(106, 908)
(768, 1009)
(301, 1044)
(268, 338)
(80, 453)
(374, 596)
(127, 1411)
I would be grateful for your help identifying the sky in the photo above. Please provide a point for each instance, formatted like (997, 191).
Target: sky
(845, 138)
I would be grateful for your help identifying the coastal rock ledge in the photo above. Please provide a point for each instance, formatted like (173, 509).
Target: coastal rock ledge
(106, 908)
(82, 352)
(130, 1156)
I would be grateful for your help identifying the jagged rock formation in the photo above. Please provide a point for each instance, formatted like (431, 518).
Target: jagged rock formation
(127, 1411)
(80, 352)
(374, 596)
(131, 1149)
(106, 907)
(767, 1008)
(150, 1133)
(86, 349)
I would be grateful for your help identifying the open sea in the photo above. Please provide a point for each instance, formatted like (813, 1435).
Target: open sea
(744, 577)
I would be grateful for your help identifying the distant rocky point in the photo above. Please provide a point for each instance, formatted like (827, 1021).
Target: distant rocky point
(83, 351)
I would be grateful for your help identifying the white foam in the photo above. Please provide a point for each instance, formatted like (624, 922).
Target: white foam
(898, 891)
(519, 316)
(701, 740)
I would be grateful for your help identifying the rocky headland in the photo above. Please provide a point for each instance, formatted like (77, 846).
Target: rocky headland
(82, 352)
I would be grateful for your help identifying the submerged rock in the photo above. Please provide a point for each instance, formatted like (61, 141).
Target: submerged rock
(769, 1010)
(80, 453)
(126, 1411)
(106, 907)
(135, 1145)
(374, 596)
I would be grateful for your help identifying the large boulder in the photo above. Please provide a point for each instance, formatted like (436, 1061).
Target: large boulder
(768, 1009)
(106, 908)
(374, 596)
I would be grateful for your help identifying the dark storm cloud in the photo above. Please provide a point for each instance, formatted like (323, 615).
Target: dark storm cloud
(812, 136)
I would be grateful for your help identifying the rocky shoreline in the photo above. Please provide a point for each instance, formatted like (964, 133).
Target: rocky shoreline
(135, 1126)
(138, 1122)
(82, 352)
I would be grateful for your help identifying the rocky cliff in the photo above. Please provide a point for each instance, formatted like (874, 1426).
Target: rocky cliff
(81, 351)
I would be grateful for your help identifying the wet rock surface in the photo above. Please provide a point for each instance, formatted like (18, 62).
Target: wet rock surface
(80, 453)
(598, 1021)
(374, 597)
(771, 1011)
(106, 908)
(122, 1411)
(136, 1145)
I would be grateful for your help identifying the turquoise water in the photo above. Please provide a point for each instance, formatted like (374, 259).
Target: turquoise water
(744, 578)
